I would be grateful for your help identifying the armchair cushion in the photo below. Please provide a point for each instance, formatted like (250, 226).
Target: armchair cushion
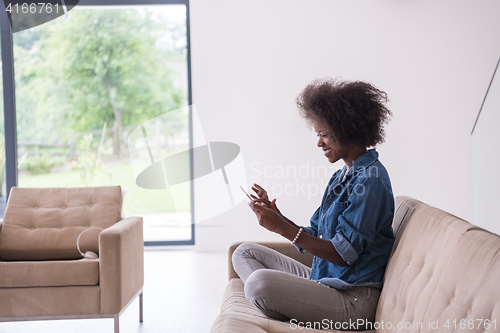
(44, 223)
(18, 274)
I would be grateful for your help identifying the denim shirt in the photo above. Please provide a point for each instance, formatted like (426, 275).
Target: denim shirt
(356, 215)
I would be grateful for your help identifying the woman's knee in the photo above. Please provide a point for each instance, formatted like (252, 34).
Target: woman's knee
(260, 284)
(240, 252)
(242, 249)
(240, 258)
(260, 289)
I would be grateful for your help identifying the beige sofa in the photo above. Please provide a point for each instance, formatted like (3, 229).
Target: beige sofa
(42, 273)
(443, 276)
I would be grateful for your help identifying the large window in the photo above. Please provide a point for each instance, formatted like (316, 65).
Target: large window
(88, 79)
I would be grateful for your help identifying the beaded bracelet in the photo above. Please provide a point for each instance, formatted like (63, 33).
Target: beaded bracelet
(297, 236)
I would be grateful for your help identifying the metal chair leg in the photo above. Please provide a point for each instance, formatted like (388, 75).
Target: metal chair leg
(141, 308)
(117, 323)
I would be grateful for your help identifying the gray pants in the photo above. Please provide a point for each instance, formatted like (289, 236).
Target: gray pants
(280, 288)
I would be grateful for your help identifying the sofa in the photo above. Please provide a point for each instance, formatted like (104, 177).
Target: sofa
(43, 274)
(443, 275)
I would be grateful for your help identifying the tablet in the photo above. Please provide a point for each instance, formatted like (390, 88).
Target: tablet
(248, 196)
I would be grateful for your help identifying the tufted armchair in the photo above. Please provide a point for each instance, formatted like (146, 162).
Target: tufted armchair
(43, 274)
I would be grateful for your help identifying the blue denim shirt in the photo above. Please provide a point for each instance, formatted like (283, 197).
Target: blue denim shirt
(356, 216)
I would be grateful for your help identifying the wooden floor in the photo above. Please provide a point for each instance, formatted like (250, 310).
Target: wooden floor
(182, 294)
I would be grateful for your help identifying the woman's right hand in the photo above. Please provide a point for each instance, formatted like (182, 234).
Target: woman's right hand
(262, 198)
(259, 190)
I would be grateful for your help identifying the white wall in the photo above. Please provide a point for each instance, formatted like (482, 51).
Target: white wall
(250, 59)
(486, 160)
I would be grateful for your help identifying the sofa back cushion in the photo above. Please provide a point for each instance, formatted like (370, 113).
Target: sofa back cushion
(443, 273)
(44, 223)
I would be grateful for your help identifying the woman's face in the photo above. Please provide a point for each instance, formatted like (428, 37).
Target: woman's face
(333, 152)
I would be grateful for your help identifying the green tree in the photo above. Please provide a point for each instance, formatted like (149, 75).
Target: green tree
(105, 65)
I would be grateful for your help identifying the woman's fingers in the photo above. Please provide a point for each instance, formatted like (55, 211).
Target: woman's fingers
(258, 186)
(253, 207)
(263, 201)
(259, 206)
(273, 205)
(267, 217)
(260, 200)
(259, 190)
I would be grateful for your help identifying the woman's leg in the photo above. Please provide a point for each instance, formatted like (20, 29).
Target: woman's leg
(285, 297)
(249, 257)
(280, 288)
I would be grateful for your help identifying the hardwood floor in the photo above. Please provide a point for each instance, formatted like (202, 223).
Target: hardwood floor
(182, 294)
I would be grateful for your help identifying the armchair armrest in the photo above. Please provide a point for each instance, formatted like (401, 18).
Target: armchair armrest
(121, 263)
(282, 247)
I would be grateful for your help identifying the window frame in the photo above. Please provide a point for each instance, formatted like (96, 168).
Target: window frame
(9, 98)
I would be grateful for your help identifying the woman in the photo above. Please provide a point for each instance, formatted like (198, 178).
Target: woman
(350, 234)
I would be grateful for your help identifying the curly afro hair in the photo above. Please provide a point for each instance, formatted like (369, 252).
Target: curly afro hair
(355, 112)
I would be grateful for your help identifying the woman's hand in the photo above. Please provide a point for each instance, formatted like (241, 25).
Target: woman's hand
(268, 217)
(263, 199)
(259, 190)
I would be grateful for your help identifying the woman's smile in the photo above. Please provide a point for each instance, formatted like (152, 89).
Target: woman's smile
(327, 143)
(332, 151)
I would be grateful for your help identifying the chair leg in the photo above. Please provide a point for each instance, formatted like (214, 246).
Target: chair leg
(117, 323)
(141, 308)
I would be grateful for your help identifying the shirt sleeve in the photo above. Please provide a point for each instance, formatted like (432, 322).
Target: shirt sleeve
(369, 208)
(312, 230)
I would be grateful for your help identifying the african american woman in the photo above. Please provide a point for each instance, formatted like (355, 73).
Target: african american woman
(350, 234)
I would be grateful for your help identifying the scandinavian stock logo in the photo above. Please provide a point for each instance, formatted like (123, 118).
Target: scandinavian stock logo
(211, 166)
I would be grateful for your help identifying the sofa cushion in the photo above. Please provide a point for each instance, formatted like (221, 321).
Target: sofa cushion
(56, 273)
(44, 223)
(234, 299)
(443, 270)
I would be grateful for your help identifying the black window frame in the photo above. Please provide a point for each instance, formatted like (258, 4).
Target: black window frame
(9, 98)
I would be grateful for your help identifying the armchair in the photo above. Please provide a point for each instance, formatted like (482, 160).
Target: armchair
(43, 275)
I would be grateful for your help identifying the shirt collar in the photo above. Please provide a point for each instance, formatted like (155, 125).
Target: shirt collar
(363, 161)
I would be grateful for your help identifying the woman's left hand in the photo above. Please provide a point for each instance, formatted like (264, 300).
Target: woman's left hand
(268, 217)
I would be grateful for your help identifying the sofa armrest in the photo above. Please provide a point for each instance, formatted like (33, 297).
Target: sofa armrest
(282, 247)
(121, 263)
